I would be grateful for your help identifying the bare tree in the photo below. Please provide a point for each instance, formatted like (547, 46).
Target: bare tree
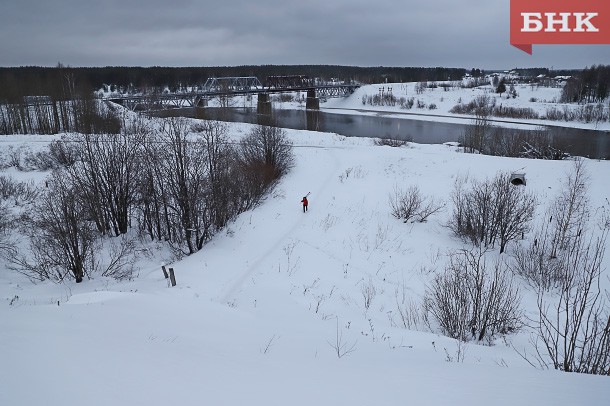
(106, 176)
(267, 150)
(184, 169)
(197, 181)
(513, 210)
(574, 328)
(154, 202)
(62, 241)
(475, 136)
(571, 207)
(223, 197)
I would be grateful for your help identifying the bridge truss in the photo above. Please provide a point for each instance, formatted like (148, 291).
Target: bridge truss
(234, 86)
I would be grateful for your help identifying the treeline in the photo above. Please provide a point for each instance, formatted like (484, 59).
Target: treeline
(43, 115)
(177, 182)
(40, 100)
(36, 101)
(591, 85)
(29, 81)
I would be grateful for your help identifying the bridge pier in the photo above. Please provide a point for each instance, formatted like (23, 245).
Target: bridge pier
(312, 103)
(200, 101)
(263, 105)
(313, 120)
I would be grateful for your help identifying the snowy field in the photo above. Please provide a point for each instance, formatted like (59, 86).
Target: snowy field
(540, 99)
(260, 315)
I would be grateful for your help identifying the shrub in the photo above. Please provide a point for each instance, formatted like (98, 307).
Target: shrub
(410, 204)
(390, 142)
(514, 112)
(491, 211)
(60, 153)
(471, 300)
(21, 192)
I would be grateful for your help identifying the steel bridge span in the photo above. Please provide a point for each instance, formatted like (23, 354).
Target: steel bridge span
(238, 86)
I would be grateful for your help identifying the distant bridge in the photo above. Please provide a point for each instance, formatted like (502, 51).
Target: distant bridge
(238, 86)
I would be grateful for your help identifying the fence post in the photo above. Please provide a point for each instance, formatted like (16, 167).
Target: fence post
(172, 277)
(164, 271)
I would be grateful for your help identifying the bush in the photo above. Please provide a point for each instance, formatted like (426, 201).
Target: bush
(410, 204)
(390, 142)
(60, 153)
(514, 112)
(492, 211)
(21, 192)
(406, 204)
(471, 300)
(484, 138)
(543, 261)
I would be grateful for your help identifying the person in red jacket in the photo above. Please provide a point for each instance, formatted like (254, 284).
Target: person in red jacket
(305, 203)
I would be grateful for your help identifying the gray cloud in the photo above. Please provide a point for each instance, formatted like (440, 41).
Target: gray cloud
(467, 33)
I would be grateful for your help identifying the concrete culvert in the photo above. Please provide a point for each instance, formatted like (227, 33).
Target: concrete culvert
(517, 179)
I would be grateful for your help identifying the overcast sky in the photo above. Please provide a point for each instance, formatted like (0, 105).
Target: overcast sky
(451, 33)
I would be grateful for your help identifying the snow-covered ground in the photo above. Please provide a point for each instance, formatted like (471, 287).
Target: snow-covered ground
(540, 99)
(258, 314)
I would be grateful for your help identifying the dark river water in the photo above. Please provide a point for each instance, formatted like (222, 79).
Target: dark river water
(578, 142)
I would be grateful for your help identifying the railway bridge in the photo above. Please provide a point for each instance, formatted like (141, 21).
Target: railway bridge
(239, 86)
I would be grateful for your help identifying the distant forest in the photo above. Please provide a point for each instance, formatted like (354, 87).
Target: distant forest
(44, 81)
(591, 85)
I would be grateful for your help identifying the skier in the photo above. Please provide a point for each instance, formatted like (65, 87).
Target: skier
(305, 203)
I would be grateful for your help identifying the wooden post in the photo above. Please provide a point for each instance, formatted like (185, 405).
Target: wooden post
(172, 277)
(164, 271)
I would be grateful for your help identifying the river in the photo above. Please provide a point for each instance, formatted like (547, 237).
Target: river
(578, 142)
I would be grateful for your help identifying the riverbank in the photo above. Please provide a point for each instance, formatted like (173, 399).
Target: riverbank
(436, 103)
(396, 125)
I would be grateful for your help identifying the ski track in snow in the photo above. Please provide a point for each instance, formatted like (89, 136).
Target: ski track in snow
(320, 191)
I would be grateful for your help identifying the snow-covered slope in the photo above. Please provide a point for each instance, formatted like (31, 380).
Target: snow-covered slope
(259, 315)
(539, 99)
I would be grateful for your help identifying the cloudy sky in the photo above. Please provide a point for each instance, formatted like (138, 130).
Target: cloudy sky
(453, 33)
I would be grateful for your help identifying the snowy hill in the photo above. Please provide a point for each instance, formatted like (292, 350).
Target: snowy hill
(436, 104)
(287, 307)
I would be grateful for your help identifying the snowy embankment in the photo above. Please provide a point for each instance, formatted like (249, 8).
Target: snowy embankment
(538, 98)
(260, 315)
